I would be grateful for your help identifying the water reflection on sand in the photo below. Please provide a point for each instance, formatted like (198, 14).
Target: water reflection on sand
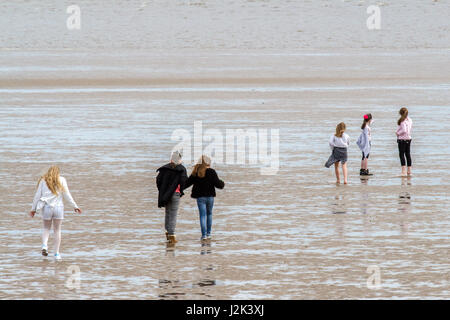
(293, 235)
(405, 205)
(172, 286)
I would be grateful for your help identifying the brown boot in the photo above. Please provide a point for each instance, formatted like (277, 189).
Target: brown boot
(172, 238)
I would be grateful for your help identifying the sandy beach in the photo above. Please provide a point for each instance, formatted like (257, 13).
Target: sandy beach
(104, 108)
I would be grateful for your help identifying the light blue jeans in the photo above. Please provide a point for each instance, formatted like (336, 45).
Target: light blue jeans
(205, 206)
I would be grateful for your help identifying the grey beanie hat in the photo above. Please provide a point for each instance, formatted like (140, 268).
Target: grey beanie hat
(176, 157)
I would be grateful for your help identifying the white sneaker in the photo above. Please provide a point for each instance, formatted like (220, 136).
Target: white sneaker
(57, 256)
(44, 250)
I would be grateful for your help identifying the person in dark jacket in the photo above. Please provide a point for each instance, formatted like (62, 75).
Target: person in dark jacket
(170, 181)
(205, 181)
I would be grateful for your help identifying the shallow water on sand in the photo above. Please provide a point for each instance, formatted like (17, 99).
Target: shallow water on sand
(294, 235)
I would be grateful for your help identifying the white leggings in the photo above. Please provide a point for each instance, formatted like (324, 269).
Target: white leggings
(56, 232)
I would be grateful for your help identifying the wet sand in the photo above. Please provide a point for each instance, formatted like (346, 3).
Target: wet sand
(105, 112)
(295, 235)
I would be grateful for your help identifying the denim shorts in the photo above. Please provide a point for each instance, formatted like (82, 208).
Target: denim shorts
(49, 213)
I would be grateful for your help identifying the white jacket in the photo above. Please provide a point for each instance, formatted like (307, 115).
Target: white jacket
(44, 196)
(342, 142)
(364, 141)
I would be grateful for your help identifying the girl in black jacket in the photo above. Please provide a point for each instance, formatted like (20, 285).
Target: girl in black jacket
(204, 181)
(170, 182)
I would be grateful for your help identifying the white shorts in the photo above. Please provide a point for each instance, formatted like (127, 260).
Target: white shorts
(49, 213)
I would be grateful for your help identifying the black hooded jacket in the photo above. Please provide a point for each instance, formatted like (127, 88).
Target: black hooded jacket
(168, 179)
(206, 186)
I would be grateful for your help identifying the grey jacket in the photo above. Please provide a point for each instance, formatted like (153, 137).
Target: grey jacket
(363, 142)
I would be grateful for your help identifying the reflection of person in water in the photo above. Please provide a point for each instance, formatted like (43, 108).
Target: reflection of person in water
(364, 201)
(404, 207)
(206, 248)
(339, 206)
(405, 198)
(170, 248)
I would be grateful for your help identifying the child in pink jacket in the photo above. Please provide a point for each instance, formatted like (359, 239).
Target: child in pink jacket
(404, 141)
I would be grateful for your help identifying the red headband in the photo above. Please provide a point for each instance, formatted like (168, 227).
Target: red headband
(366, 117)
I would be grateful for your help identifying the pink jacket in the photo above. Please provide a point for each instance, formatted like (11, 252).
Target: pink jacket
(404, 130)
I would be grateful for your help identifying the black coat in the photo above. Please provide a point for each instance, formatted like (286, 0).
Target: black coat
(206, 186)
(167, 181)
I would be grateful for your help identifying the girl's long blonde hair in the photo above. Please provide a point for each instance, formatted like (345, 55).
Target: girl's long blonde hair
(51, 178)
(340, 129)
(200, 168)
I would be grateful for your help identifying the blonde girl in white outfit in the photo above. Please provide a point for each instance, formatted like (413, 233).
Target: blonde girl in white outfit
(339, 142)
(48, 201)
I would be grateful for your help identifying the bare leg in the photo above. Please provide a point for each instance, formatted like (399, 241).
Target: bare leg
(403, 170)
(409, 171)
(46, 231)
(344, 171)
(336, 170)
(57, 233)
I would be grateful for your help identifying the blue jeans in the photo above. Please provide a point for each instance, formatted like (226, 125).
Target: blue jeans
(205, 206)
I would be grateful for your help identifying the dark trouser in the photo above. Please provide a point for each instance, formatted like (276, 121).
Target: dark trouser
(404, 150)
(171, 213)
(205, 206)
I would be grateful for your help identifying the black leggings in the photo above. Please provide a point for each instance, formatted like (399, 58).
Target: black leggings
(404, 150)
